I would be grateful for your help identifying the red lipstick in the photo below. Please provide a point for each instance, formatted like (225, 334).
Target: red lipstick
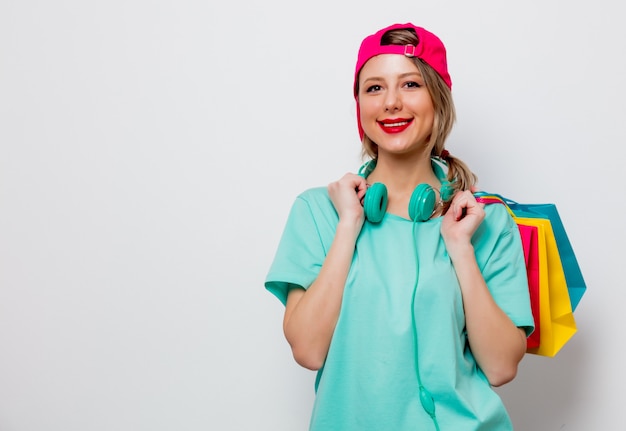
(395, 125)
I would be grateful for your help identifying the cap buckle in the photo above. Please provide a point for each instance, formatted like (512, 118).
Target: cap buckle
(409, 50)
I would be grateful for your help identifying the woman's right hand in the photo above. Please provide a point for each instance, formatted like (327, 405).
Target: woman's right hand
(346, 194)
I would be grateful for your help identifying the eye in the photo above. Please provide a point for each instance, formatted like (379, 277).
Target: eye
(413, 84)
(373, 88)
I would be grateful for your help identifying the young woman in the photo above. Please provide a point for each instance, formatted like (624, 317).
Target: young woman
(409, 297)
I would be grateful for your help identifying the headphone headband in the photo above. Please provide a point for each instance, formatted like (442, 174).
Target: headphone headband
(423, 202)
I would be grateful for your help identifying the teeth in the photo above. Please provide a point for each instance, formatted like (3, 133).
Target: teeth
(401, 123)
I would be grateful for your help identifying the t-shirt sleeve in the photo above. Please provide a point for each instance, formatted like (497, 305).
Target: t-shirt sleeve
(504, 268)
(300, 253)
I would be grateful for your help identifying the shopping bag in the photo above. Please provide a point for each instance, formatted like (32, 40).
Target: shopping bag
(531, 258)
(576, 285)
(556, 318)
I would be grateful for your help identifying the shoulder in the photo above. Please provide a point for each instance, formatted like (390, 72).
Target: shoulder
(497, 230)
(315, 195)
(498, 219)
(313, 204)
(317, 200)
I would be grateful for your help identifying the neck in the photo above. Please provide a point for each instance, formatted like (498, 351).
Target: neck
(403, 174)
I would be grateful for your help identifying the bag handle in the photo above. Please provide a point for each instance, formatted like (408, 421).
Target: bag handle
(492, 198)
(495, 196)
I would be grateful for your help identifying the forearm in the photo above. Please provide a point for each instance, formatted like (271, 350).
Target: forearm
(311, 315)
(496, 343)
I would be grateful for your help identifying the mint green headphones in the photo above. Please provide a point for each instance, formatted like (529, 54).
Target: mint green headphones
(423, 200)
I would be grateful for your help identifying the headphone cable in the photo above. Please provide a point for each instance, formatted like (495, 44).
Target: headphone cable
(426, 399)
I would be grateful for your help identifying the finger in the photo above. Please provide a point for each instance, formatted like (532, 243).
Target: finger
(457, 210)
(361, 195)
(462, 204)
(359, 185)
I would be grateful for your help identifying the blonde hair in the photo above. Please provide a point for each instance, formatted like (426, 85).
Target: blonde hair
(459, 175)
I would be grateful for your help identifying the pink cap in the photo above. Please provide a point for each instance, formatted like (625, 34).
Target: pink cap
(429, 49)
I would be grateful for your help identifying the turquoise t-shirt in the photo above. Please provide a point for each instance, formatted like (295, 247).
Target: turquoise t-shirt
(369, 382)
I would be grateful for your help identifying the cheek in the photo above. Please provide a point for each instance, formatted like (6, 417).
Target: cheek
(424, 105)
(426, 111)
(369, 110)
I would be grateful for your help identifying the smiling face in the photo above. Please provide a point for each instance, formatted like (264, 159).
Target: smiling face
(396, 109)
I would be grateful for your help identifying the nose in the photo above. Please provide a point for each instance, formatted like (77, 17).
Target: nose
(393, 101)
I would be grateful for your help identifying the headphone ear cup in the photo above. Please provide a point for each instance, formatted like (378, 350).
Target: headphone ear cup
(447, 191)
(375, 202)
(422, 203)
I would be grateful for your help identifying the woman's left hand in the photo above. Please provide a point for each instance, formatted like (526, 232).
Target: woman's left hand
(461, 221)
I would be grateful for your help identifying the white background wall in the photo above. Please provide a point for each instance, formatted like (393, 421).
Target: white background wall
(149, 154)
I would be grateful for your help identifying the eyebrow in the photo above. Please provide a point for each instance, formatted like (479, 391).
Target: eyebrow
(401, 76)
